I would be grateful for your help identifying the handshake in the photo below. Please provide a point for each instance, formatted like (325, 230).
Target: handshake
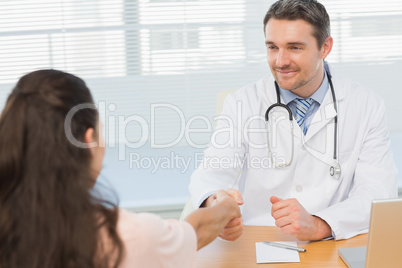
(229, 200)
(219, 215)
(290, 216)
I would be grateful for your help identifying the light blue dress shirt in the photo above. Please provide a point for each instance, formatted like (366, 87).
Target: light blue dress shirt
(318, 96)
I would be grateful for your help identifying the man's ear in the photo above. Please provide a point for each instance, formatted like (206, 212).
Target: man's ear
(327, 47)
(89, 139)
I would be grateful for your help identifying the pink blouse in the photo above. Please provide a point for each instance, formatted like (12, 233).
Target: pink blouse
(150, 241)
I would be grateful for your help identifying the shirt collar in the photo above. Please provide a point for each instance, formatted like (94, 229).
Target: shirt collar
(318, 96)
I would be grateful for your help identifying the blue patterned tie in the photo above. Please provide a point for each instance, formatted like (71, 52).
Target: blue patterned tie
(302, 106)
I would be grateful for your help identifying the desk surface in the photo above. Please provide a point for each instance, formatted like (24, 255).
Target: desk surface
(241, 253)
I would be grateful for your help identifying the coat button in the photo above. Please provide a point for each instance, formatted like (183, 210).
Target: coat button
(299, 188)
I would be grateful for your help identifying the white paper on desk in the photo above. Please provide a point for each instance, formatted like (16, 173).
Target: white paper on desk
(271, 254)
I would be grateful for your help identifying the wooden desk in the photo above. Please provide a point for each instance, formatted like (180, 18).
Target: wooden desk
(241, 253)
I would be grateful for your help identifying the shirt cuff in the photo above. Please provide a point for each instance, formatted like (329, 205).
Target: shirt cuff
(204, 198)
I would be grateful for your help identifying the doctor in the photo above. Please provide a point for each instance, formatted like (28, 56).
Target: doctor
(313, 176)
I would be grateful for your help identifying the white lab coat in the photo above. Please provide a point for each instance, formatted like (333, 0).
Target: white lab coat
(368, 169)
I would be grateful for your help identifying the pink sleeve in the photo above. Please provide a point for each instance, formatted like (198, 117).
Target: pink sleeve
(150, 241)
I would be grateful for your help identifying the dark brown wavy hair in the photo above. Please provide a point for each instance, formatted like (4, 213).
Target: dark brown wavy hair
(48, 217)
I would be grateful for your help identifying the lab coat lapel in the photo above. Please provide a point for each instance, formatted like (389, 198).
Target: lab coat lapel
(326, 113)
(278, 117)
(279, 114)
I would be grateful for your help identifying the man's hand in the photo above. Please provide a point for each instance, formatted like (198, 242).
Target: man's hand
(234, 228)
(294, 219)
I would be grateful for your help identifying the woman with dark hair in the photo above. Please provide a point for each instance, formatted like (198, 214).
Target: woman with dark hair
(48, 218)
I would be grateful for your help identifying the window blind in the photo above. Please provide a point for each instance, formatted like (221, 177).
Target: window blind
(155, 65)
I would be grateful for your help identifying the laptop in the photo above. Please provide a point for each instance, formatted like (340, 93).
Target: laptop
(384, 246)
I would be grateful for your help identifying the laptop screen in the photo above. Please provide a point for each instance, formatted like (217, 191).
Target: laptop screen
(384, 247)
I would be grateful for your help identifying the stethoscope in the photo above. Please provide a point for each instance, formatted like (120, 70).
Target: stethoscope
(335, 169)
